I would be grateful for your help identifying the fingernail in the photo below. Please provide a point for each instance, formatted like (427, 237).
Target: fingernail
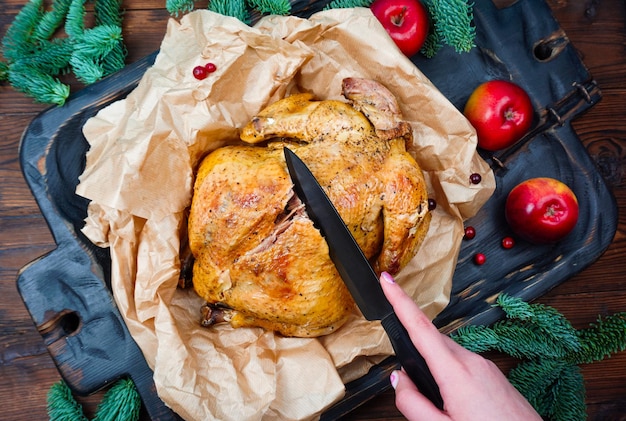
(393, 378)
(387, 277)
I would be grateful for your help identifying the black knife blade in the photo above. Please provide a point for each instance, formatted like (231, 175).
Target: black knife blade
(358, 274)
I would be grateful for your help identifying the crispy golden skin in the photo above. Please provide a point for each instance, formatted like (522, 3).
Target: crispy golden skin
(258, 255)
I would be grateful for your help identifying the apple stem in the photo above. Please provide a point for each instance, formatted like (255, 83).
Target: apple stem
(554, 210)
(399, 18)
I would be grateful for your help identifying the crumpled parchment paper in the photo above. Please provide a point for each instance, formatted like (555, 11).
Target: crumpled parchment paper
(139, 175)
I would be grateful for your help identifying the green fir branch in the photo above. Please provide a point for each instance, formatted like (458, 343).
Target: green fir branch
(109, 12)
(40, 86)
(98, 41)
(432, 45)
(347, 4)
(605, 337)
(110, 15)
(530, 342)
(234, 8)
(36, 55)
(534, 378)
(567, 396)
(178, 7)
(451, 24)
(529, 331)
(543, 320)
(4, 71)
(550, 350)
(271, 7)
(61, 404)
(115, 60)
(17, 40)
(517, 340)
(121, 402)
(85, 68)
(51, 57)
(476, 338)
(51, 20)
(91, 49)
(74, 20)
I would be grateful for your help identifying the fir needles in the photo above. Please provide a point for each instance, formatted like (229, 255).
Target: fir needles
(239, 9)
(550, 350)
(35, 56)
(451, 24)
(120, 403)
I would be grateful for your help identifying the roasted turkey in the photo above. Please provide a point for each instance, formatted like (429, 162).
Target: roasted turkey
(259, 261)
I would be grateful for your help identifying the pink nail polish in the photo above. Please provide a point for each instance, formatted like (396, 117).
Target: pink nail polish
(393, 378)
(387, 277)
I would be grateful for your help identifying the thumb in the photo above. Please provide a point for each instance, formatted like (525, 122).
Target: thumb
(413, 405)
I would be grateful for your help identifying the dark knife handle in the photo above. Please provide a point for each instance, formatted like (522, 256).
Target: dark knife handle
(411, 360)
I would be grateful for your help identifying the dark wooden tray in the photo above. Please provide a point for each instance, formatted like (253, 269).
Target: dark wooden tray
(67, 291)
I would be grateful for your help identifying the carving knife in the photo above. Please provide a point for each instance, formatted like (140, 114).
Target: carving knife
(358, 275)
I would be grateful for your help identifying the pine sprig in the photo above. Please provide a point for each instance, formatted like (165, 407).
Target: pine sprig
(85, 69)
(50, 21)
(551, 351)
(347, 4)
(568, 402)
(17, 39)
(41, 86)
(603, 338)
(62, 406)
(50, 57)
(517, 340)
(234, 8)
(120, 403)
(533, 378)
(272, 7)
(4, 71)
(36, 56)
(115, 59)
(451, 24)
(74, 20)
(178, 7)
(91, 51)
(109, 12)
(546, 323)
(98, 41)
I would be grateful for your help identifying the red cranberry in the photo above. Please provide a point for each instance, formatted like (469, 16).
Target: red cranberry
(210, 67)
(508, 242)
(200, 72)
(432, 204)
(480, 258)
(475, 178)
(470, 233)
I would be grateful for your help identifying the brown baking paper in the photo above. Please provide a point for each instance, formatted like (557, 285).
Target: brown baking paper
(139, 175)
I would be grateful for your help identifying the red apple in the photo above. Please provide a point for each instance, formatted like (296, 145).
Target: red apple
(541, 210)
(501, 112)
(406, 21)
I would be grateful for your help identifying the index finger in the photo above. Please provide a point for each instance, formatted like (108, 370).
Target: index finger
(423, 333)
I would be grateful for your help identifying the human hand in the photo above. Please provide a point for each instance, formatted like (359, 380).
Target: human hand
(472, 387)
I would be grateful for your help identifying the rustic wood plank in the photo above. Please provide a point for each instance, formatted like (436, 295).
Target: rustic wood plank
(17, 199)
(27, 380)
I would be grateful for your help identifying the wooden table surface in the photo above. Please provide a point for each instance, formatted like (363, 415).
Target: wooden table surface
(596, 28)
